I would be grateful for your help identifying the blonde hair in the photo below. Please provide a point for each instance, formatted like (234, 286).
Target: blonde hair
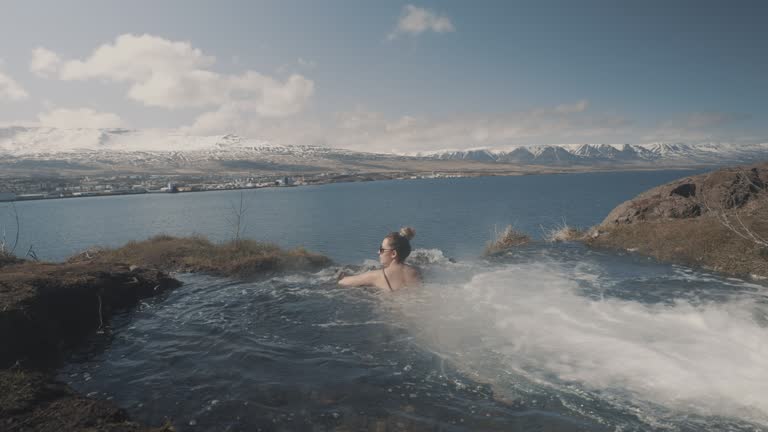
(408, 232)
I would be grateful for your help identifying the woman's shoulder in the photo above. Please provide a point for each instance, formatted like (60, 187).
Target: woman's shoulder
(412, 272)
(412, 269)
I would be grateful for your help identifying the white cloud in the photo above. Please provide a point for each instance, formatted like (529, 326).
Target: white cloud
(45, 63)
(698, 127)
(359, 118)
(308, 64)
(415, 20)
(72, 118)
(401, 123)
(366, 130)
(577, 107)
(561, 124)
(229, 118)
(703, 120)
(10, 90)
(276, 100)
(172, 74)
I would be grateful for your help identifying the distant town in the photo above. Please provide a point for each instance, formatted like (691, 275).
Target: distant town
(36, 188)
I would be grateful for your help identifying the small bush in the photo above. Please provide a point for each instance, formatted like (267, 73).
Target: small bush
(507, 239)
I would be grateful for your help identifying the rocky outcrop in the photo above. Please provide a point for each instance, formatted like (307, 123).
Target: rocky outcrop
(691, 197)
(717, 220)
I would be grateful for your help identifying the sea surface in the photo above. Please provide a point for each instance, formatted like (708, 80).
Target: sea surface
(345, 221)
(549, 337)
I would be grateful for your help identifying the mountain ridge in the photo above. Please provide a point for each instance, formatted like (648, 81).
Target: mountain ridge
(27, 148)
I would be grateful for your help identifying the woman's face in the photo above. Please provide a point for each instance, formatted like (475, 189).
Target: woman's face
(386, 252)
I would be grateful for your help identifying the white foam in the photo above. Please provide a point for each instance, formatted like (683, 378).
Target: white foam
(705, 359)
(422, 257)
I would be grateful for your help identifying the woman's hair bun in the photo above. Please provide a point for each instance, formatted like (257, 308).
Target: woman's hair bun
(408, 232)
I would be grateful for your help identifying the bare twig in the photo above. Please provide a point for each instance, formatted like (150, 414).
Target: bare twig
(3, 243)
(732, 219)
(31, 253)
(18, 227)
(236, 219)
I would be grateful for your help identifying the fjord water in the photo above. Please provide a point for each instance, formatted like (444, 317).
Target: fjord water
(345, 221)
(547, 337)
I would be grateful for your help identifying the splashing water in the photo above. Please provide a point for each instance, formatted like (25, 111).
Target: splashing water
(569, 327)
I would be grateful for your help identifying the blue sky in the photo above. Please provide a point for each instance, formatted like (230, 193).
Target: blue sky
(393, 76)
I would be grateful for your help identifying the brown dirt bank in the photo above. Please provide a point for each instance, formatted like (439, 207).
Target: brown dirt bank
(46, 308)
(717, 220)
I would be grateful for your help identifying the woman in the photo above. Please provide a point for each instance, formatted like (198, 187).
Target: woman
(394, 274)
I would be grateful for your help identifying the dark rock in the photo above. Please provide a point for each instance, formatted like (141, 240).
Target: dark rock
(685, 190)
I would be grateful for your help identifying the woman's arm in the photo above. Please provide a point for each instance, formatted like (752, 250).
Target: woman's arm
(367, 278)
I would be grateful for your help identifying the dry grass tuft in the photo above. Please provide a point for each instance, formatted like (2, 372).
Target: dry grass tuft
(507, 239)
(243, 258)
(562, 233)
(7, 258)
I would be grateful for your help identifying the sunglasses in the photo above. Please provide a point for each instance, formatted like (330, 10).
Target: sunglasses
(381, 250)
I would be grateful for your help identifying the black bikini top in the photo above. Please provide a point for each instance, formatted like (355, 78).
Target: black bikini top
(386, 279)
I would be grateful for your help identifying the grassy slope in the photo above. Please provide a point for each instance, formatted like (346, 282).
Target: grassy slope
(245, 258)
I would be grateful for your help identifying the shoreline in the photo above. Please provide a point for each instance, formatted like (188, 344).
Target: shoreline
(364, 177)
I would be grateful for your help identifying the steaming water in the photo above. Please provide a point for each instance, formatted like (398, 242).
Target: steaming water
(550, 337)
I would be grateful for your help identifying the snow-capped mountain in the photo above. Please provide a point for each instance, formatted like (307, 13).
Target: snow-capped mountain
(586, 154)
(23, 141)
(51, 150)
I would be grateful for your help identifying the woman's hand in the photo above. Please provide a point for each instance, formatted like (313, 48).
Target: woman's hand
(341, 274)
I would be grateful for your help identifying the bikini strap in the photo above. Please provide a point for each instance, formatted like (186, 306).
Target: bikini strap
(386, 279)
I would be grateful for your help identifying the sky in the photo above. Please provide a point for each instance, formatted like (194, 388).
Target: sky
(390, 76)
